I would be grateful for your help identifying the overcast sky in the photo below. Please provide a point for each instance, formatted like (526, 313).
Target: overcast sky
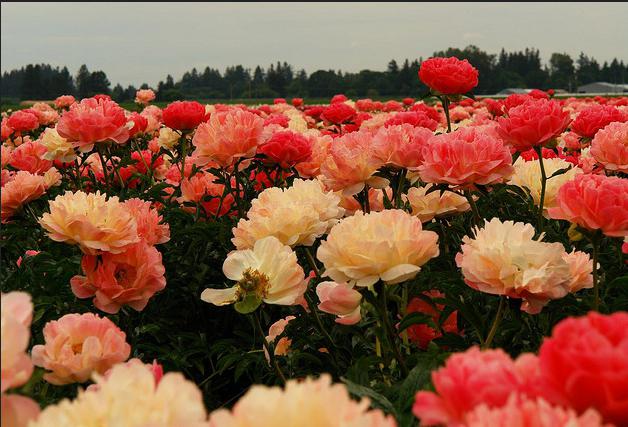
(143, 42)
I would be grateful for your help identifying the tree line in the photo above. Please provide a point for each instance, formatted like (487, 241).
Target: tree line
(522, 69)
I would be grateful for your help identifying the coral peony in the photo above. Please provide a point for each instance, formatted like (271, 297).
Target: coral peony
(338, 113)
(584, 365)
(76, 345)
(202, 190)
(610, 147)
(311, 167)
(286, 148)
(23, 188)
(150, 224)
(595, 202)
(389, 245)
(414, 118)
(533, 123)
(401, 145)
(528, 175)
(23, 121)
(18, 411)
(504, 259)
(30, 157)
(296, 216)
(90, 220)
(466, 157)
(130, 396)
(128, 278)
(351, 164)
(64, 101)
(282, 346)
(144, 96)
(91, 121)
(16, 313)
(269, 272)
(448, 76)
(594, 118)
(45, 113)
(436, 204)
(183, 115)
(228, 136)
(308, 403)
(340, 299)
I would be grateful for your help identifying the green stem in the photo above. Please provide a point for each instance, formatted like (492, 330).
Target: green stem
(539, 152)
(402, 179)
(104, 169)
(365, 201)
(445, 102)
(595, 242)
(390, 331)
(271, 354)
(496, 322)
(183, 143)
(474, 207)
(311, 260)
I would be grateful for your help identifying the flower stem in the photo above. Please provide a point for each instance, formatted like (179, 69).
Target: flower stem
(390, 331)
(445, 102)
(539, 151)
(474, 207)
(595, 242)
(402, 179)
(271, 354)
(365, 201)
(496, 322)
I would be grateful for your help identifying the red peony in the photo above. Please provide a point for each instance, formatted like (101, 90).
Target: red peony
(594, 118)
(183, 115)
(287, 148)
(139, 123)
(390, 106)
(364, 105)
(533, 123)
(584, 364)
(279, 101)
(23, 121)
(515, 100)
(495, 107)
(315, 112)
(431, 112)
(338, 113)
(277, 119)
(423, 334)
(538, 94)
(297, 102)
(339, 98)
(414, 118)
(407, 101)
(449, 76)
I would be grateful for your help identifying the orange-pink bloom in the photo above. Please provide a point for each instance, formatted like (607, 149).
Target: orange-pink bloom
(21, 189)
(93, 120)
(594, 202)
(610, 147)
(144, 96)
(150, 225)
(401, 145)
(16, 313)
(128, 278)
(29, 157)
(465, 157)
(45, 113)
(64, 101)
(228, 136)
(282, 346)
(340, 299)
(77, 345)
(18, 411)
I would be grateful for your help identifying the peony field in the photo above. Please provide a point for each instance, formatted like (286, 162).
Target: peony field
(449, 260)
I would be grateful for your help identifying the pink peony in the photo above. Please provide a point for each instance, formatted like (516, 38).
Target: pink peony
(16, 313)
(77, 345)
(21, 189)
(401, 145)
(18, 411)
(150, 225)
(448, 76)
(594, 118)
(144, 96)
(29, 157)
(595, 202)
(610, 147)
(64, 101)
(23, 121)
(340, 299)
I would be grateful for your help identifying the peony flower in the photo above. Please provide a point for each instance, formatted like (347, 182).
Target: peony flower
(168, 138)
(533, 123)
(413, 118)
(64, 101)
(436, 204)
(29, 157)
(448, 76)
(91, 121)
(311, 167)
(296, 216)
(590, 120)
(580, 270)
(228, 136)
(401, 145)
(610, 147)
(24, 187)
(202, 190)
(468, 380)
(390, 246)
(18, 411)
(528, 176)
(76, 345)
(422, 334)
(338, 113)
(23, 121)
(286, 148)
(340, 299)
(183, 115)
(16, 313)
(45, 113)
(504, 259)
(153, 115)
(140, 123)
(269, 272)
(282, 346)
(57, 147)
(128, 278)
(309, 403)
(144, 96)
(150, 225)
(351, 164)
(595, 202)
(523, 412)
(130, 396)
(465, 157)
(90, 220)
(584, 365)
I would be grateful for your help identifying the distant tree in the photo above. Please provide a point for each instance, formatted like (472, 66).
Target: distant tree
(118, 94)
(83, 82)
(99, 83)
(562, 71)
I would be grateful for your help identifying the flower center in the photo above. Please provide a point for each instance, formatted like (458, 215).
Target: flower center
(254, 282)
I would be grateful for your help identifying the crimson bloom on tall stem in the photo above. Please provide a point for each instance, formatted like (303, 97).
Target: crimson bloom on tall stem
(183, 115)
(448, 76)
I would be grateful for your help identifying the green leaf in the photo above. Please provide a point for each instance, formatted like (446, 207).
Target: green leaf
(377, 400)
(248, 304)
(560, 172)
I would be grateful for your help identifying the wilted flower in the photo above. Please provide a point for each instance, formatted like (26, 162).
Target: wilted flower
(282, 346)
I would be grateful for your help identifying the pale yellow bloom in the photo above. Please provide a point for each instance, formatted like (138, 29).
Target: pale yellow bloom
(427, 206)
(168, 138)
(57, 147)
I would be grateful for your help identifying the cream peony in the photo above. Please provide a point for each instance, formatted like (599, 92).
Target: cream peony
(310, 403)
(268, 272)
(57, 147)
(504, 259)
(91, 221)
(296, 216)
(426, 206)
(528, 176)
(130, 396)
(389, 245)
(168, 138)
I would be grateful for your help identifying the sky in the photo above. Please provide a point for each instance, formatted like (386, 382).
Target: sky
(143, 42)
